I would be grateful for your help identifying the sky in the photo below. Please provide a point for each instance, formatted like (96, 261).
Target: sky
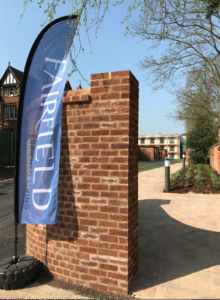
(110, 51)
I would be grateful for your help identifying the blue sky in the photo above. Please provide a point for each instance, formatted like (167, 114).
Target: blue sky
(111, 51)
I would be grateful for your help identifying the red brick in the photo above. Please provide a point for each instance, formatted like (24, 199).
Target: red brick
(108, 224)
(98, 258)
(109, 153)
(98, 244)
(117, 276)
(117, 290)
(91, 179)
(119, 74)
(100, 146)
(118, 261)
(109, 194)
(81, 269)
(110, 96)
(119, 188)
(99, 230)
(91, 153)
(100, 159)
(119, 160)
(83, 132)
(109, 139)
(98, 272)
(108, 267)
(108, 281)
(90, 207)
(100, 132)
(111, 110)
(89, 264)
(107, 238)
(89, 278)
(100, 104)
(99, 90)
(99, 216)
(118, 232)
(92, 139)
(100, 187)
(88, 250)
(120, 88)
(109, 166)
(74, 274)
(110, 82)
(88, 222)
(89, 236)
(99, 173)
(119, 146)
(99, 287)
(99, 76)
(119, 103)
(124, 117)
(100, 118)
(109, 125)
(109, 209)
(108, 252)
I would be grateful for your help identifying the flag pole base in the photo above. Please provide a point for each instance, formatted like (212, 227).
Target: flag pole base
(15, 273)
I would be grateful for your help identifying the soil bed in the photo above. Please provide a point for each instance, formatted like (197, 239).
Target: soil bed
(45, 277)
(206, 186)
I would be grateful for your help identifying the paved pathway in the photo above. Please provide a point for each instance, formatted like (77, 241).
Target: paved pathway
(179, 242)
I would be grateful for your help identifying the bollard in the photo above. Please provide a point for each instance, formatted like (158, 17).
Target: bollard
(167, 175)
(183, 161)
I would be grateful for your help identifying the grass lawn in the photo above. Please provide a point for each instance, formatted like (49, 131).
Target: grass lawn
(141, 169)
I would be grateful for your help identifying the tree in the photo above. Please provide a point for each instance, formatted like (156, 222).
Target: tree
(190, 29)
(200, 139)
(198, 100)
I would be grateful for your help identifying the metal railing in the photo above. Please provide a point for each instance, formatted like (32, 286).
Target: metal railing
(7, 149)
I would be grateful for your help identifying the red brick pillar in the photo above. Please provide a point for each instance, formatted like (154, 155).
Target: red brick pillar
(95, 243)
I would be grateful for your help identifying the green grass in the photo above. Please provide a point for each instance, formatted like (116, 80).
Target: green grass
(141, 169)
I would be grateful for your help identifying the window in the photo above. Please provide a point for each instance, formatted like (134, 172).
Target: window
(172, 140)
(5, 92)
(172, 156)
(162, 147)
(11, 112)
(6, 112)
(142, 141)
(162, 141)
(172, 148)
(10, 92)
(144, 149)
(152, 141)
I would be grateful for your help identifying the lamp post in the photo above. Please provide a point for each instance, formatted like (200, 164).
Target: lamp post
(167, 175)
(184, 161)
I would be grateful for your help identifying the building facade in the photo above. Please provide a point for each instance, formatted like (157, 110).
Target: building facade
(174, 144)
(10, 85)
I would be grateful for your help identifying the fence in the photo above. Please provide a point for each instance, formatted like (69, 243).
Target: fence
(7, 149)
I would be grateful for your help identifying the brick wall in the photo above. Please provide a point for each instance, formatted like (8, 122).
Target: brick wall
(95, 243)
(215, 157)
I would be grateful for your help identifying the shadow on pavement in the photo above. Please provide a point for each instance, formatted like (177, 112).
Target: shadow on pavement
(169, 249)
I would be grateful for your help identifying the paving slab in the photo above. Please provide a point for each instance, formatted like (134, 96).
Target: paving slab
(179, 241)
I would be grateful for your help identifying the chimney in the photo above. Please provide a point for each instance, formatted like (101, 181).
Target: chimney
(79, 87)
(9, 63)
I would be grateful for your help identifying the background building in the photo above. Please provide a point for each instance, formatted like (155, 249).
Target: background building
(173, 143)
(10, 85)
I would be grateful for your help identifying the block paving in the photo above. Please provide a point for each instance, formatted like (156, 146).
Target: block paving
(179, 242)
